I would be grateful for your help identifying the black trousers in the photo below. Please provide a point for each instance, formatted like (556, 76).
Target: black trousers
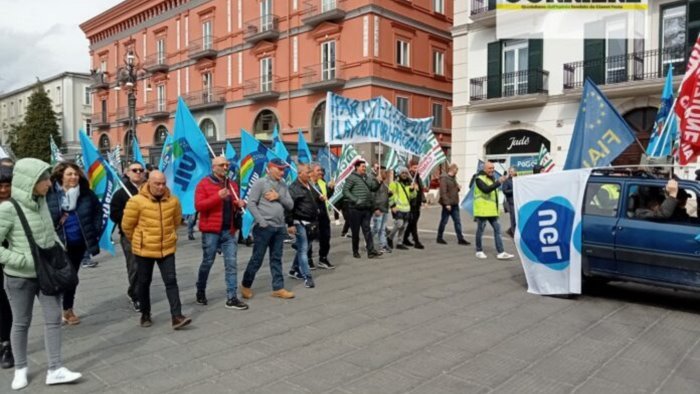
(75, 254)
(412, 228)
(166, 265)
(5, 312)
(346, 218)
(360, 218)
(324, 237)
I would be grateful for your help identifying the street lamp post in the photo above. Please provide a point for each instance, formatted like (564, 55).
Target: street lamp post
(126, 79)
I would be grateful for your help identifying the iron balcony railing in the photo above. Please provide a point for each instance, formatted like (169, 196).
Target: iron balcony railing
(213, 96)
(258, 27)
(100, 80)
(260, 85)
(157, 107)
(635, 66)
(156, 62)
(324, 72)
(509, 84)
(202, 47)
(482, 6)
(99, 119)
(317, 11)
(122, 114)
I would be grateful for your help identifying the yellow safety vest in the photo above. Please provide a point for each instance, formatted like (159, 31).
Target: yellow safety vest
(324, 190)
(485, 205)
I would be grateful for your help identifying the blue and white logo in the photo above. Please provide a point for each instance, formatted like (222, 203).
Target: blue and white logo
(546, 229)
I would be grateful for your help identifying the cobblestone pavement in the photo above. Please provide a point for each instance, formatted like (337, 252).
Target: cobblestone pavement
(419, 321)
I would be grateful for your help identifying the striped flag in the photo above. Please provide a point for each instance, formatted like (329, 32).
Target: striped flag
(394, 160)
(544, 159)
(433, 156)
(56, 156)
(346, 166)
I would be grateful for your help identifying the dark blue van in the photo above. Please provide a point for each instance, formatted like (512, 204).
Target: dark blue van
(619, 245)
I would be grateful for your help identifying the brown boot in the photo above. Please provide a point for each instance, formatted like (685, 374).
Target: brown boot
(180, 322)
(70, 318)
(283, 293)
(246, 292)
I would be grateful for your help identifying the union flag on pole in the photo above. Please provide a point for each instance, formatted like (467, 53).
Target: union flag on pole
(688, 110)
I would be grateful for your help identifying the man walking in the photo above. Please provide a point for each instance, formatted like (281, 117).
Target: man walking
(216, 200)
(486, 210)
(300, 220)
(324, 220)
(267, 201)
(510, 202)
(403, 191)
(150, 222)
(357, 194)
(449, 199)
(416, 203)
(135, 176)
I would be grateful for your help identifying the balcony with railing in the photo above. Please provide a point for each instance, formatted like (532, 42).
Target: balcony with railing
(214, 97)
(157, 109)
(520, 88)
(99, 120)
(483, 12)
(261, 88)
(122, 115)
(324, 76)
(625, 72)
(202, 48)
(318, 11)
(265, 27)
(100, 80)
(157, 62)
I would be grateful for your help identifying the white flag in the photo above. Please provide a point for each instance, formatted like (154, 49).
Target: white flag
(548, 234)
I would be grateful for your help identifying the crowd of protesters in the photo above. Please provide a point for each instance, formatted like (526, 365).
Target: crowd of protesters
(60, 207)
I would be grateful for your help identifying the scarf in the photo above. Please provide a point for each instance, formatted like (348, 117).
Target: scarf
(69, 199)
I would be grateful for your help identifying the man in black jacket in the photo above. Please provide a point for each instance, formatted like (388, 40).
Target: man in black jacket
(412, 229)
(358, 194)
(300, 220)
(134, 177)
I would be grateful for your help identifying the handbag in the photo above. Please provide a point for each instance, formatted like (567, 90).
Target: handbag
(54, 271)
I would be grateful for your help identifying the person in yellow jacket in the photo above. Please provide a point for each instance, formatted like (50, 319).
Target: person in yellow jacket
(150, 223)
(402, 192)
(486, 210)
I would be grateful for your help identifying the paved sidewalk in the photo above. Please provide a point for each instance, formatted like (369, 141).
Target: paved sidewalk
(430, 321)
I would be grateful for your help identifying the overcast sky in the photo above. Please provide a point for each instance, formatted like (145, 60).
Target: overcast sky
(41, 38)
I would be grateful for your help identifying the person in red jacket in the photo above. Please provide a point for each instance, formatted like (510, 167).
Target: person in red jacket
(216, 200)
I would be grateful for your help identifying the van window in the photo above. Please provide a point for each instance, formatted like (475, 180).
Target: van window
(602, 199)
(645, 197)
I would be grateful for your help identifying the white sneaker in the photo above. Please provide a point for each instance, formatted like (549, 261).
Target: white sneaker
(481, 255)
(62, 375)
(20, 380)
(504, 256)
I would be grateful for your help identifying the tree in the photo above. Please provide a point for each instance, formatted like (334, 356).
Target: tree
(31, 137)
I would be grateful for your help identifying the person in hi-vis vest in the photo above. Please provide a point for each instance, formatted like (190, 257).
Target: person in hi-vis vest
(486, 210)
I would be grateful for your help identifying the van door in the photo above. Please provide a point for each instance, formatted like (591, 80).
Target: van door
(600, 215)
(664, 250)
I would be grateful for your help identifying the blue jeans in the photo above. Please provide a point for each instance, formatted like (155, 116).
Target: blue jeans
(481, 225)
(264, 238)
(191, 221)
(301, 259)
(226, 242)
(445, 216)
(379, 229)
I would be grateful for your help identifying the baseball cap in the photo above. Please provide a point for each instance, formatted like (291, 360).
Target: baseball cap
(279, 163)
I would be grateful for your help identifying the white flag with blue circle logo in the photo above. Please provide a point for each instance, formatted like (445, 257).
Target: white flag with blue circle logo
(548, 235)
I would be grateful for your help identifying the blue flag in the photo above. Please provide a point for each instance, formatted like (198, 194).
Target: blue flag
(191, 160)
(600, 133)
(280, 151)
(303, 151)
(328, 161)
(233, 161)
(138, 157)
(104, 183)
(666, 126)
(166, 160)
(467, 203)
(254, 158)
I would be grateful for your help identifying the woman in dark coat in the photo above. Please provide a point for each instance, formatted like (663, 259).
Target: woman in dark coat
(77, 218)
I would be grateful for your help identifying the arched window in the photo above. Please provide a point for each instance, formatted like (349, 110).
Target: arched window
(641, 121)
(265, 123)
(160, 136)
(104, 144)
(318, 123)
(208, 128)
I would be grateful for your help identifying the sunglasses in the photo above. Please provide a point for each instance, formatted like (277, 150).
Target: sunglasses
(137, 170)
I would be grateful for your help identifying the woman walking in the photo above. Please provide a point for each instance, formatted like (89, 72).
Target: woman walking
(30, 184)
(6, 358)
(77, 217)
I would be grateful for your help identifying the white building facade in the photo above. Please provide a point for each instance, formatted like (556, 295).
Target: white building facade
(512, 96)
(72, 102)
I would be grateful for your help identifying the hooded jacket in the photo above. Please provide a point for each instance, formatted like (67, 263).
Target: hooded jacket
(151, 224)
(89, 211)
(17, 258)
